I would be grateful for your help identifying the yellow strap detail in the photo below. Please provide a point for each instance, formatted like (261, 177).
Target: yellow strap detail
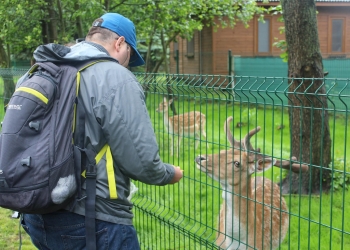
(34, 93)
(110, 175)
(106, 149)
(101, 153)
(98, 157)
(78, 87)
(109, 169)
(75, 105)
(33, 69)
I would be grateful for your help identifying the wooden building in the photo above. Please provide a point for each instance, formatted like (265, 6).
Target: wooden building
(208, 51)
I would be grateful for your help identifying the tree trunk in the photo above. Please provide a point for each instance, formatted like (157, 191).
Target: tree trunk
(52, 22)
(148, 62)
(78, 21)
(308, 116)
(44, 32)
(61, 20)
(107, 4)
(9, 85)
(4, 60)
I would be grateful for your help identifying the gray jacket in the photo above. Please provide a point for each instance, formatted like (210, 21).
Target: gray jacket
(116, 115)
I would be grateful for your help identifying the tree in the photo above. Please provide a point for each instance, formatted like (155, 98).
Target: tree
(26, 24)
(308, 116)
(158, 23)
(17, 32)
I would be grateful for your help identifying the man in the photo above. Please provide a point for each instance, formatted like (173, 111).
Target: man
(116, 116)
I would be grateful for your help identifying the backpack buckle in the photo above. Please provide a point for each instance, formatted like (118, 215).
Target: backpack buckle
(91, 171)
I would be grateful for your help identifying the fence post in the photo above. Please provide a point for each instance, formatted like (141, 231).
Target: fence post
(177, 61)
(229, 62)
(230, 77)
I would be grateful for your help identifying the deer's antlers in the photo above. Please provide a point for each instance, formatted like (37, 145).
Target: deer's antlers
(245, 144)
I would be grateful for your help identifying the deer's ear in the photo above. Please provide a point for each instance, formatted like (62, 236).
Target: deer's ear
(170, 101)
(264, 164)
(164, 99)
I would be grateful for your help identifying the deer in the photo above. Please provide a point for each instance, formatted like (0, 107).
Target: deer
(188, 124)
(253, 214)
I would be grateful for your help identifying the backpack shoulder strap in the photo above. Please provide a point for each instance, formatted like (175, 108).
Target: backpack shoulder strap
(90, 169)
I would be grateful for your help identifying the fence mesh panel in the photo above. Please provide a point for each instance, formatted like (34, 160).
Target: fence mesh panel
(291, 120)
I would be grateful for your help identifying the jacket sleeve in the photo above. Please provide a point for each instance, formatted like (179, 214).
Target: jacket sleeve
(128, 130)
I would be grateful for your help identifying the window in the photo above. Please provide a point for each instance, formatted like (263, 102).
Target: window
(337, 35)
(264, 36)
(190, 48)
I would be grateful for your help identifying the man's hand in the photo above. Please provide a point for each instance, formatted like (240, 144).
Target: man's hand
(177, 176)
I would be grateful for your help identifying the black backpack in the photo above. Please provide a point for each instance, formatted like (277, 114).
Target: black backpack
(41, 165)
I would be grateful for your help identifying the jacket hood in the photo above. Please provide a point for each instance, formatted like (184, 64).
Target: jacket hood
(82, 51)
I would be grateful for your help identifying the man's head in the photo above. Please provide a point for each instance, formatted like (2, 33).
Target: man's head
(118, 35)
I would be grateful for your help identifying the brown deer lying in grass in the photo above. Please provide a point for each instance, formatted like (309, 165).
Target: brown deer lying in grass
(187, 124)
(253, 215)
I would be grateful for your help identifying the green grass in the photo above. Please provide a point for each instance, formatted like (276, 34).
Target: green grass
(184, 216)
(319, 222)
(193, 205)
(10, 233)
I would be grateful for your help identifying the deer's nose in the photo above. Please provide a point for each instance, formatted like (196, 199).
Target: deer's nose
(200, 158)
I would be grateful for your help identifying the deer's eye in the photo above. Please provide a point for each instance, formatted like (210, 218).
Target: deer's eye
(237, 164)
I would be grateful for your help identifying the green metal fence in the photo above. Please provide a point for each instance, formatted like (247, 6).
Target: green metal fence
(185, 215)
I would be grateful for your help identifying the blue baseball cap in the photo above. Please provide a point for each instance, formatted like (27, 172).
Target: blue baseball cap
(122, 26)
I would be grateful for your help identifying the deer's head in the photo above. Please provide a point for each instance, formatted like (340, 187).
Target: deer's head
(235, 165)
(164, 105)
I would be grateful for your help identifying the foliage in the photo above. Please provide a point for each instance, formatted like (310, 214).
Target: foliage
(340, 175)
(248, 116)
(10, 233)
(157, 22)
(281, 44)
(17, 29)
(22, 25)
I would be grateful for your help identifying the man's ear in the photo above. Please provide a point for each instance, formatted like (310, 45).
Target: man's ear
(119, 43)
